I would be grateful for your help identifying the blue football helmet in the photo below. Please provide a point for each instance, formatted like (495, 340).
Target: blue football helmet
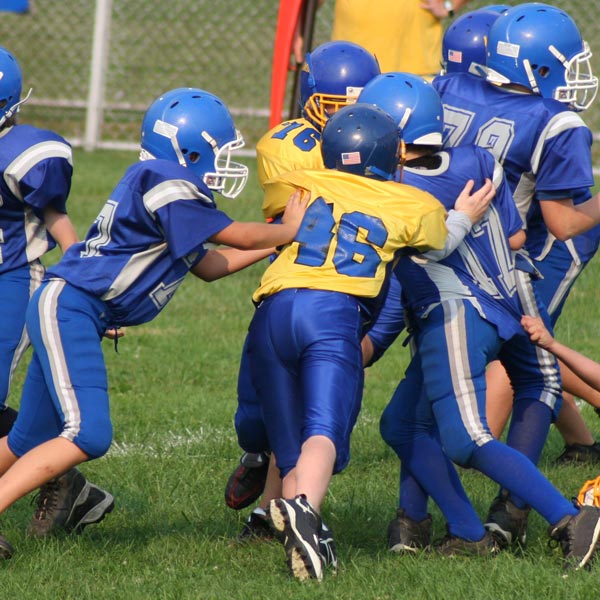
(414, 104)
(361, 139)
(332, 76)
(10, 85)
(465, 40)
(540, 47)
(195, 129)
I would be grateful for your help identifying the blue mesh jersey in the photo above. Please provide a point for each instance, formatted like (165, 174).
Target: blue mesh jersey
(544, 148)
(481, 269)
(36, 167)
(146, 238)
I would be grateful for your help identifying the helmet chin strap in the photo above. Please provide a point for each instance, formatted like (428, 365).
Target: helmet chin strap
(402, 160)
(405, 117)
(530, 76)
(558, 54)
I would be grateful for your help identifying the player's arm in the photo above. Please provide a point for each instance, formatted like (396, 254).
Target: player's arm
(516, 240)
(220, 262)
(256, 236)
(60, 228)
(469, 208)
(565, 220)
(584, 367)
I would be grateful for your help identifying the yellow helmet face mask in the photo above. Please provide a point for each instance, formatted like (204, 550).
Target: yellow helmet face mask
(321, 106)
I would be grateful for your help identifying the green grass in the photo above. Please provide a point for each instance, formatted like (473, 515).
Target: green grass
(173, 394)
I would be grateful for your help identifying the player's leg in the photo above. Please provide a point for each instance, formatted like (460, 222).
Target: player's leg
(274, 361)
(536, 383)
(560, 270)
(246, 483)
(15, 289)
(316, 338)
(580, 445)
(69, 378)
(499, 402)
(407, 426)
(454, 345)
(467, 440)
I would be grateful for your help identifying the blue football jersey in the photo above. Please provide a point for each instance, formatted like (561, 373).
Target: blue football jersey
(545, 149)
(481, 269)
(36, 167)
(147, 236)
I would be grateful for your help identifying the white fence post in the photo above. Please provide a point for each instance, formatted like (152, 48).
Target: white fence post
(98, 67)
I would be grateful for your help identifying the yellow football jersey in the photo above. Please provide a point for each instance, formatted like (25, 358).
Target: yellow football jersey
(289, 146)
(353, 227)
(401, 34)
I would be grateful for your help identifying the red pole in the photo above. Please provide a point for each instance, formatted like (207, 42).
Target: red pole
(287, 18)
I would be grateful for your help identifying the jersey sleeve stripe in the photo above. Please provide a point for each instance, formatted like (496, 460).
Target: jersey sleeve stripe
(171, 191)
(28, 159)
(558, 124)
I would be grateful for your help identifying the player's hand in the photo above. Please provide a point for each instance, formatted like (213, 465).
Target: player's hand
(475, 204)
(114, 333)
(295, 209)
(538, 334)
(435, 7)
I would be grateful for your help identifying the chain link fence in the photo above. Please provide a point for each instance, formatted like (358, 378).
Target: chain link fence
(224, 46)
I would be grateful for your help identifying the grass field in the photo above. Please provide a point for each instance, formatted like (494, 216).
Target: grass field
(173, 395)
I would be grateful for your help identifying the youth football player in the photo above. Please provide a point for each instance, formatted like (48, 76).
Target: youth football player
(148, 235)
(464, 310)
(36, 167)
(527, 114)
(307, 371)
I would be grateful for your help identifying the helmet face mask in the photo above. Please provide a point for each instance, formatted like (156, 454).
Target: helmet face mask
(332, 77)
(361, 139)
(414, 104)
(319, 107)
(580, 84)
(229, 177)
(539, 47)
(194, 128)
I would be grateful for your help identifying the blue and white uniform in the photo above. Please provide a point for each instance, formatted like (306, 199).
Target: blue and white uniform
(148, 235)
(545, 150)
(36, 167)
(464, 311)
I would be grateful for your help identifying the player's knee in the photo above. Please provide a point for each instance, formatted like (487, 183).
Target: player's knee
(388, 427)
(458, 448)
(252, 436)
(250, 428)
(95, 439)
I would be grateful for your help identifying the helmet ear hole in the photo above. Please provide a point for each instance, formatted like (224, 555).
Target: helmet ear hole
(193, 157)
(543, 71)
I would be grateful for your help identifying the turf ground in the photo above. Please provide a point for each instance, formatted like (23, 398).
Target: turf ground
(173, 397)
